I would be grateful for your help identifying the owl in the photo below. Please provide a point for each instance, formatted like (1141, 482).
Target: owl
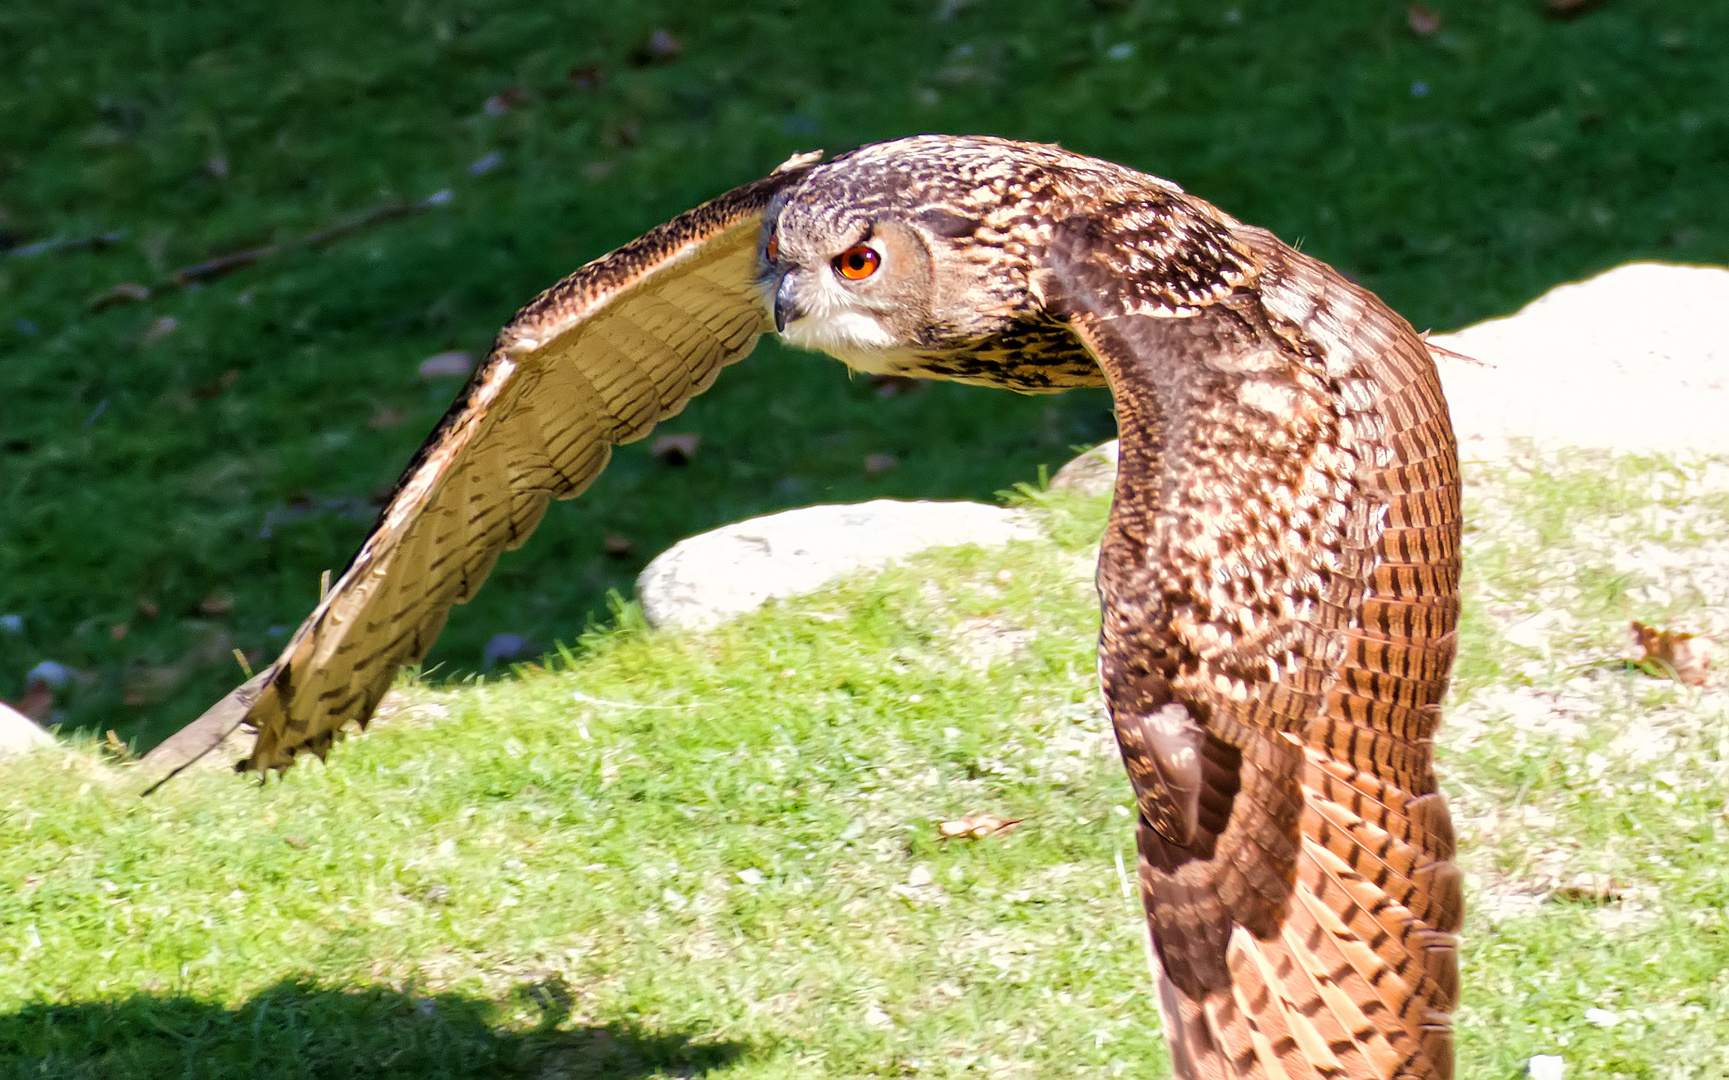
(1279, 578)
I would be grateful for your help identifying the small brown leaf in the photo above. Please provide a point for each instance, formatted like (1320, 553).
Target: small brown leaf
(504, 101)
(888, 386)
(119, 632)
(38, 700)
(446, 365)
(1592, 889)
(1567, 9)
(676, 449)
(127, 292)
(298, 843)
(585, 77)
(212, 389)
(1422, 19)
(1682, 656)
(977, 827)
(215, 606)
(877, 464)
(387, 416)
(618, 547)
(116, 746)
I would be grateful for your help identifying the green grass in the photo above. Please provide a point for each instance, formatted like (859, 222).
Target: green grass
(138, 467)
(718, 854)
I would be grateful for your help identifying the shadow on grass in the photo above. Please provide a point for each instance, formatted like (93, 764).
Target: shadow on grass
(298, 1029)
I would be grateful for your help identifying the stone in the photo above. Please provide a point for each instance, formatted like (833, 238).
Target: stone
(19, 734)
(707, 579)
(1092, 473)
(1634, 360)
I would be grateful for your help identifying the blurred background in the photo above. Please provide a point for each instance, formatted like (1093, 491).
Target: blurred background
(247, 249)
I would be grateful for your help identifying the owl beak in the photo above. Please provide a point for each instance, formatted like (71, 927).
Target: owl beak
(786, 308)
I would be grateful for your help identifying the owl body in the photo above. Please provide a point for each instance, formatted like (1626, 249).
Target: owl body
(1278, 579)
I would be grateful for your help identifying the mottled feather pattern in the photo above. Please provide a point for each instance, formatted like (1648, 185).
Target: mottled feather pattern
(1279, 578)
(1328, 895)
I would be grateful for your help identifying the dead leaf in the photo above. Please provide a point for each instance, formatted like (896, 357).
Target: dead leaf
(618, 547)
(119, 632)
(127, 292)
(1682, 656)
(446, 365)
(215, 606)
(1568, 9)
(387, 416)
(1592, 889)
(584, 77)
(298, 843)
(1422, 19)
(977, 827)
(504, 101)
(676, 449)
(116, 746)
(888, 386)
(212, 389)
(38, 700)
(877, 464)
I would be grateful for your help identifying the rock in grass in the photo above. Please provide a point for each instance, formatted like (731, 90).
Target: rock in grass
(18, 733)
(710, 578)
(1093, 473)
(1633, 360)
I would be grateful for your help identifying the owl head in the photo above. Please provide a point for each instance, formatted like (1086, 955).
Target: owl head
(914, 245)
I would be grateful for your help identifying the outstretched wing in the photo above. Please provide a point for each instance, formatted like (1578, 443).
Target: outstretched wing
(1280, 590)
(593, 362)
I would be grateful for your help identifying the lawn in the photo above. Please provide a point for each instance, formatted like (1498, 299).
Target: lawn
(654, 854)
(178, 468)
(721, 855)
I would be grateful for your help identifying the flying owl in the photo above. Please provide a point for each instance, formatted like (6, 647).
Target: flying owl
(1279, 578)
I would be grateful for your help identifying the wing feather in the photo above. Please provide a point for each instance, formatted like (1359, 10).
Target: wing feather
(1281, 566)
(595, 361)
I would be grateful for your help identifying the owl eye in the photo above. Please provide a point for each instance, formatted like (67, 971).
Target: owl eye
(772, 250)
(857, 262)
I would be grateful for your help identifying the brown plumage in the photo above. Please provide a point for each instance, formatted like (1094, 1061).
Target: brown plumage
(1279, 577)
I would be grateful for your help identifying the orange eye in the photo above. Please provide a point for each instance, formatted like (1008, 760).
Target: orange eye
(857, 262)
(772, 251)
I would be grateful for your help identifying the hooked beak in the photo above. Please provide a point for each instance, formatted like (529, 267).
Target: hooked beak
(786, 309)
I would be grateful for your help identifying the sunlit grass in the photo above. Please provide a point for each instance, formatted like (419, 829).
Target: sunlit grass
(145, 447)
(669, 854)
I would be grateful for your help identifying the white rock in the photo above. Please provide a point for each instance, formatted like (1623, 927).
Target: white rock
(18, 733)
(1635, 359)
(707, 579)
(1092, 473)
(1545, 1067)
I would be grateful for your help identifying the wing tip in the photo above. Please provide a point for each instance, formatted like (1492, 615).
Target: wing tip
(191, 743)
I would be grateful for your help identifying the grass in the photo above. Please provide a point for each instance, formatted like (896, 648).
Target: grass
(718, 854)
(176, 472)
